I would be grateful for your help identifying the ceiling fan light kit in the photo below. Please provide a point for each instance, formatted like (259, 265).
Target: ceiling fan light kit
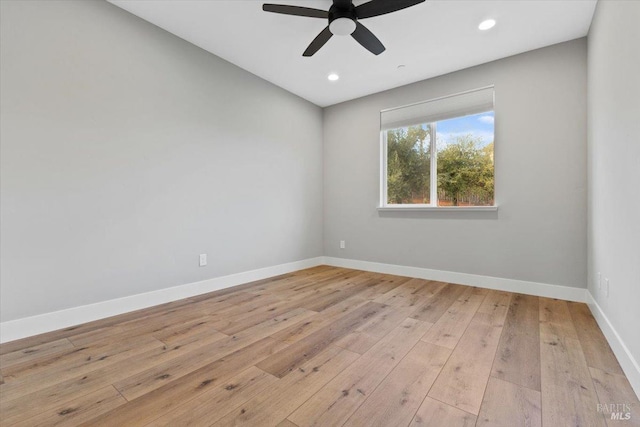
(343, 19)
(342, 27)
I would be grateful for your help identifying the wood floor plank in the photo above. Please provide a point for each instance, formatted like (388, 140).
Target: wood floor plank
(568, 394)
(186, 310)
(433, 413)
(56, 362)
(346, 279)
(594, 345)
(311, 274)
(465, 375)
(446, 332)
(305, 287)
(89, 359)
(312, 295)
(286, 423)
(186, 332)
(270, 282)
(396, 400)
(139, 327)
(35, 340)
(306, 327)
(234, 324)
(342, 396)
(288, 359)
(319, 296)
(26, 405)
(38, 352)
(338, 347)
(156, 376)
(79, 410)
(555, 318)
(506, 405)
(234, 304)
(381, 284)
(360, 277)
(270, 409)
(235, 298)
(494, 308)
(410, 293)
(370, 332)
(256, 286)
(162, 400)
(357, 341)
(92, 352)
(214, 404)
(276, 281)
(354, 287)
(216, 311)
(616, 396)
(385, 321)
(518, 357)
(431, 309)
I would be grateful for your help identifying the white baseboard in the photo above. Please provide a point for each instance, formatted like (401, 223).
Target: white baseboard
(25, 327)
(530, 288)
(628, 363)
(28, 326)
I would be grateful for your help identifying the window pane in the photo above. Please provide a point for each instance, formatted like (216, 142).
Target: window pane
(465, 160)
(408, 165)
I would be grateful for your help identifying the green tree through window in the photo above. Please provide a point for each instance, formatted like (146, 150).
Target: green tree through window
(465, 166)
(409, 165)
(465, 173)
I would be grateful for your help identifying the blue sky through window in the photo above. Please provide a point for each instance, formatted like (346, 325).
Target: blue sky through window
(479, 125)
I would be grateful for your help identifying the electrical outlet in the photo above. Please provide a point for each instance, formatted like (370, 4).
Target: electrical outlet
(599, 280)
(203, 260)
(342, 244)
(606, 287)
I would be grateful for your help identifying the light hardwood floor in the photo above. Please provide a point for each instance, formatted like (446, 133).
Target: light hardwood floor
(324, 346)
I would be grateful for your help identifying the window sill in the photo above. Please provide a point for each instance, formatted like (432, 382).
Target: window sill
(437, 208)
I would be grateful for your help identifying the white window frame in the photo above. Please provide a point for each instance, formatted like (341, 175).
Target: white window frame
(433, 178)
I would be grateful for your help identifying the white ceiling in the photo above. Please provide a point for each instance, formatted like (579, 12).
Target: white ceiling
(430, 39)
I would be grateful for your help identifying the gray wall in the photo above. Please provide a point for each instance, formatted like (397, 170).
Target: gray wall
(126, 152)
(614, 164)
(539, 232)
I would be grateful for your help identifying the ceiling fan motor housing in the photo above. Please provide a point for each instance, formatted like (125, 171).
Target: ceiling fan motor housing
(342, 21)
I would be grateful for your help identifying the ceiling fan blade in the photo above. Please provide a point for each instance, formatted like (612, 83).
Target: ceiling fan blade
(382, 7)
(318, 42)
(367, 39)
(295, 10)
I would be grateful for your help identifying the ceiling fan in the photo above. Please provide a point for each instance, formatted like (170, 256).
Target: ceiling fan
(343, 18)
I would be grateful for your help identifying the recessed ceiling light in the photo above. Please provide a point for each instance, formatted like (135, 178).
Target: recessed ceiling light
(485, 25)
(333, 77)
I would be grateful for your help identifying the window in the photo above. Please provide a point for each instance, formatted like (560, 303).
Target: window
(439, 153)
